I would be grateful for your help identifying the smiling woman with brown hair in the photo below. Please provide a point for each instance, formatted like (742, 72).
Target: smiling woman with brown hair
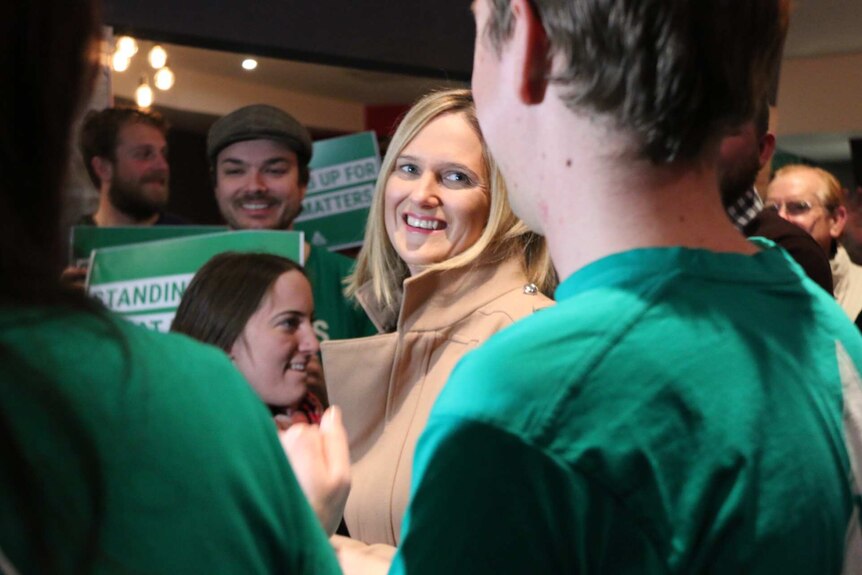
(258, 309)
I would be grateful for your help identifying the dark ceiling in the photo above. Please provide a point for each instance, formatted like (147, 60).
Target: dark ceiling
(424, 38)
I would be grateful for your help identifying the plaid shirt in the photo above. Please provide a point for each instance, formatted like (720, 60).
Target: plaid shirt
(745, 208)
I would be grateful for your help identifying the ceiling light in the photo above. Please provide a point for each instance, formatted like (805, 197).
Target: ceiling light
(120, 61)
(158, 57)
(127, 46)
(144, 94)
(164, 79)
(249, 63)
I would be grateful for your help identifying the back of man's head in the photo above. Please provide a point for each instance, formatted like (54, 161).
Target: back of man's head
(761, 118)
(743, 152)
(671, 73)
(101, 128)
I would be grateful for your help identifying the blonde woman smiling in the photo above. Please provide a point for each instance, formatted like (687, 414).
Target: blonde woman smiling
(445, 265)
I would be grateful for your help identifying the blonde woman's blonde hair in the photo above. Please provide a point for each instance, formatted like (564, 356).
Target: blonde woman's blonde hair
(504, 235)
(830, 194)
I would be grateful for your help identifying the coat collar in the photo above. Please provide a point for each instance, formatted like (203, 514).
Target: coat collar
(841, 267)
(436, 299)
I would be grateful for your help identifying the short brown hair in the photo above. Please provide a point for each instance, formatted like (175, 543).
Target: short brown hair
(225, 293)
(673, 73)
(101, 128)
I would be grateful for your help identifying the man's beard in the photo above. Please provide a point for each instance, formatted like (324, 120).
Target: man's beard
(737, 180)
(131, 200)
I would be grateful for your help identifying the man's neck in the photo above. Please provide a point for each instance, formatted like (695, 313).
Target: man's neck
(597, 202)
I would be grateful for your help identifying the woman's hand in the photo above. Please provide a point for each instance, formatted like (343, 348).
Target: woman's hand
(358, 558)
(321, 462)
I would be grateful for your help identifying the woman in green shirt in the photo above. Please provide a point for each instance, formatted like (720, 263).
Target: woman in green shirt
(121, 450)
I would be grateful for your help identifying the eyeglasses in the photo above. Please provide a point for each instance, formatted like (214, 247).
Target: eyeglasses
(792, 208)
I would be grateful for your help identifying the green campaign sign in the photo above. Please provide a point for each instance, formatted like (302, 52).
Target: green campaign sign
(144, 282)
(85, 239)
(343, 172)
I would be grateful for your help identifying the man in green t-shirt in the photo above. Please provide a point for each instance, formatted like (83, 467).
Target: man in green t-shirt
(692, 402)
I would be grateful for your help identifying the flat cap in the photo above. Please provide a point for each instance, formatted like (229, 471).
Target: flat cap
(258, 122)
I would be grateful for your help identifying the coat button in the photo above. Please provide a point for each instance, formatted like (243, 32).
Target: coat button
(531, 289)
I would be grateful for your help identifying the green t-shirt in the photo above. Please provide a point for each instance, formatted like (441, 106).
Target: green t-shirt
(149, 447)
(677, 411)
(336, 317)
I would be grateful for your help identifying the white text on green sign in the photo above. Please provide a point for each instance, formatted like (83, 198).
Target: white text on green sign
(341, 175)
(322, 205)
(149, 294)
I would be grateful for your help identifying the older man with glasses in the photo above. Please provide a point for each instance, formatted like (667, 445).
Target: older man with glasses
(814, 200)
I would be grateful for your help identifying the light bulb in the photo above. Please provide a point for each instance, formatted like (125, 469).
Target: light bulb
(249, 63)
(158, 57)
(164, 79)
(127, 45)
(144, 95)
(120, 62)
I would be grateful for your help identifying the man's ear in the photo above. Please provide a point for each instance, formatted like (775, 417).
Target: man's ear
(839, 221)
(103, 167)
(532, 52)
(767, 148)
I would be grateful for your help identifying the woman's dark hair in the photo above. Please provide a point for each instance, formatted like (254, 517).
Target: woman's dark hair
(48, 50)
(225, 293)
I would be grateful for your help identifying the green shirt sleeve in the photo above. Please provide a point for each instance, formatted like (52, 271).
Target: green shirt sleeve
(145, 453)
(486, 501)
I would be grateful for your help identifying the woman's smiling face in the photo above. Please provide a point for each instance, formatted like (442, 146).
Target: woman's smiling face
(436, 200)
(278, 341)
